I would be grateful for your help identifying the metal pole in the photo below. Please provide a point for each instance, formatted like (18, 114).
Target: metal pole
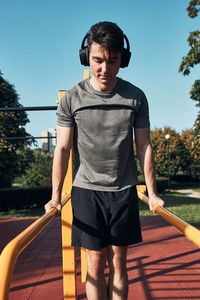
(169, 184)
(167, 137)
(30, 108)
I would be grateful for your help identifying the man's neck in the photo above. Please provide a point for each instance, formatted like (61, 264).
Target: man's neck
(101, 87)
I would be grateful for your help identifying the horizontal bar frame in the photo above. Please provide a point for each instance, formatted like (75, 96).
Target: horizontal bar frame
(27, 108)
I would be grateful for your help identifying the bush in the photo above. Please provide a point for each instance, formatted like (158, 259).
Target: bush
(23, 198)
(161, 184)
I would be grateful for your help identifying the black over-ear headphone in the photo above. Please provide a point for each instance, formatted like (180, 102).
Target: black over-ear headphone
(125, 54)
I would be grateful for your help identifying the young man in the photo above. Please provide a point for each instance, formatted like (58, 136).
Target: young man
(98, 117)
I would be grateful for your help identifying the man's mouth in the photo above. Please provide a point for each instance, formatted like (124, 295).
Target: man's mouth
(104, 76)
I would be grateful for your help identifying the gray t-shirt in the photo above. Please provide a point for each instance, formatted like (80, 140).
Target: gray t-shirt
(103, 136)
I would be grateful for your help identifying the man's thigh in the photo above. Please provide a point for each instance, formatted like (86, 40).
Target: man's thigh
(124, 221)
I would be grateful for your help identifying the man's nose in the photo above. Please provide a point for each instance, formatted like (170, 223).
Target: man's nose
(105, 66)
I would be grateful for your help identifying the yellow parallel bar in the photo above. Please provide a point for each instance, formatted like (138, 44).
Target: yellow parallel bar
(68, 252)
(83, 251)
(60, 93)
(11, 252)
(86, 74)
(192, 233)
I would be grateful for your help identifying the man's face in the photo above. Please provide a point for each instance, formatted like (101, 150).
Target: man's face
(104, 66)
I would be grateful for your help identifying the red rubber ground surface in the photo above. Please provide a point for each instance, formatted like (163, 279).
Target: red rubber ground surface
(164, 266)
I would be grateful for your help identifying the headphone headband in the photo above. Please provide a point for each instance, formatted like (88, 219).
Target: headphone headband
(125, 54)
(127, 42)
(83, 41)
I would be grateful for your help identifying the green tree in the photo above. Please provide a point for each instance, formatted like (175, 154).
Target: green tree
(179, 156)
(196, 148)
(192, 143)
(193, 56)
(39, 171)
(12, 124)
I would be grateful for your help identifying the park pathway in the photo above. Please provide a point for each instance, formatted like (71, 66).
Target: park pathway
(188, 192)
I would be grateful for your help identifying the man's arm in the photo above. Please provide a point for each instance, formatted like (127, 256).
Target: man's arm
(145, 155)
(64, 142)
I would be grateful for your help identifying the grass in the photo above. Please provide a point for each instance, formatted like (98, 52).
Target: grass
(184, 207)
(22, 213)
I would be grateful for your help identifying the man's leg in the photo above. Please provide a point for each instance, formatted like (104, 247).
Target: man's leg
(118, 281)
(95, 282)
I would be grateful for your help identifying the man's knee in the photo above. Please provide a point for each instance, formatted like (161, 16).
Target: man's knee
(117, 259)
(96, 261)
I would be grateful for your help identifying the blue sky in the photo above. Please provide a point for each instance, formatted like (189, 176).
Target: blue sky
(40, 41)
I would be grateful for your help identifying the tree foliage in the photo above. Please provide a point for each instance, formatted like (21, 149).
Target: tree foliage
(193, 8)
(39, 172)
(183, 150)
(194, 145)
(12, 124)
(172, 149)
(193, 56)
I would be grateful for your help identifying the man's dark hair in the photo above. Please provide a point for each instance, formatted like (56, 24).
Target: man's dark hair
(106, 34)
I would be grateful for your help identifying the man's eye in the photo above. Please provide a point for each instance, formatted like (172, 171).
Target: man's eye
(99, 61)
(112, 62)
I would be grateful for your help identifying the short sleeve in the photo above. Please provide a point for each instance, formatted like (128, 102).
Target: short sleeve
(142, 112)
(64, 112)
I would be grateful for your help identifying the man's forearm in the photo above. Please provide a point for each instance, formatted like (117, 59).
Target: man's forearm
(145, 156)
(60, 165)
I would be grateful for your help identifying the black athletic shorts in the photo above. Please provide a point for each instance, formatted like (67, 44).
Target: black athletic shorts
(101, 219)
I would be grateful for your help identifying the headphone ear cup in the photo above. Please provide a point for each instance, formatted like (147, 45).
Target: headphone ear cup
(125, 58)
(84, 56)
